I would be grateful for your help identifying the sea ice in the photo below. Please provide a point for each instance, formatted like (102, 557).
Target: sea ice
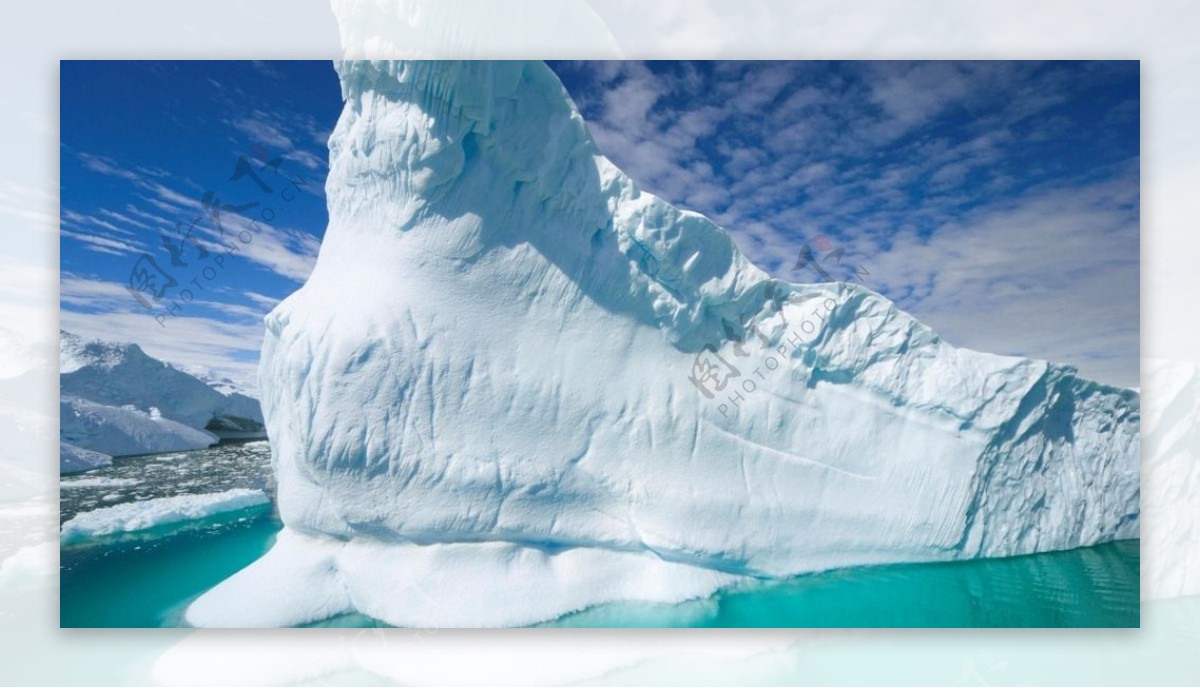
(135, 516)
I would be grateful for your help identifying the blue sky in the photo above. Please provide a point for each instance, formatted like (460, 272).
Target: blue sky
(142, 144)
(996, 201)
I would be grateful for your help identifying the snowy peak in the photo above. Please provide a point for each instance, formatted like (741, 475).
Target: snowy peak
(120, 374)
(76, 352)
(223, 385)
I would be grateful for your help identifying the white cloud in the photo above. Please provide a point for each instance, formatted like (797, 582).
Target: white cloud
(107, 166)
(778, 153)
(279, 134)
(228, 349)
(260, 130)
(266, 302)
(287, 252)
(1053, 275)
(103, 244)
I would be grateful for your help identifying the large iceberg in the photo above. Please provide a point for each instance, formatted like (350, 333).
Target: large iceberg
(515, 385)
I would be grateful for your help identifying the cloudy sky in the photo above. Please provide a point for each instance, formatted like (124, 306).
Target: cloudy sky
(150, 151)
(996, 201)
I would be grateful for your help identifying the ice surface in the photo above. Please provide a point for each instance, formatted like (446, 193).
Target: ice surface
(134, 516)
(493, 369)
(30, 564)
(204, 471)
(454, 584)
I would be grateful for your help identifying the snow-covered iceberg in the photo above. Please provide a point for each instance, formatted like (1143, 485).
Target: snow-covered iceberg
(515, 385)
(118, 400)
(118, 431)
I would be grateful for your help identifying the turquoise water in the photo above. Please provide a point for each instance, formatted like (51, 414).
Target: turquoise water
(1087, 587)
(147, 579)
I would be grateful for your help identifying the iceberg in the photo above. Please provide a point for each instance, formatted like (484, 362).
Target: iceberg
(150, 513)
(85, 426)
(515, 385)
(75, 483)
(1171, 465)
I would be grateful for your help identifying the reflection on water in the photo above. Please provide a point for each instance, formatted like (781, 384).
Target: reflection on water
(1093, 586)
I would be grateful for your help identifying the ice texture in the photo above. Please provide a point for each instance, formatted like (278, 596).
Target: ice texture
(150, 513)
(489, 379)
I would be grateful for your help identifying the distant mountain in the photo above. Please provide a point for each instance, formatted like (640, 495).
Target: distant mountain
(223, 385)
(118, 400)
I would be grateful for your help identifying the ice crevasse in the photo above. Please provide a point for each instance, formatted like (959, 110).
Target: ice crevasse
(490, 402)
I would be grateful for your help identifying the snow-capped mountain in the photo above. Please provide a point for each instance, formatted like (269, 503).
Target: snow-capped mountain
(511, 370)
(220, 383)
(117, 400)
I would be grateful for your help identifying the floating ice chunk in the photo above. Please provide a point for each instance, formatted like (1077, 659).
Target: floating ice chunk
(97, 482)
(135, 516)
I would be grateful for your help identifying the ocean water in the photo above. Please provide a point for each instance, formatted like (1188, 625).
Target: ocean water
(147, 579)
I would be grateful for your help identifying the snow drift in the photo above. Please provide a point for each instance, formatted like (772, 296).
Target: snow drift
(515, 385)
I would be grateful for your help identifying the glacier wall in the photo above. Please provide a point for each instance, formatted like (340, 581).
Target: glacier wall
(490, 403)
